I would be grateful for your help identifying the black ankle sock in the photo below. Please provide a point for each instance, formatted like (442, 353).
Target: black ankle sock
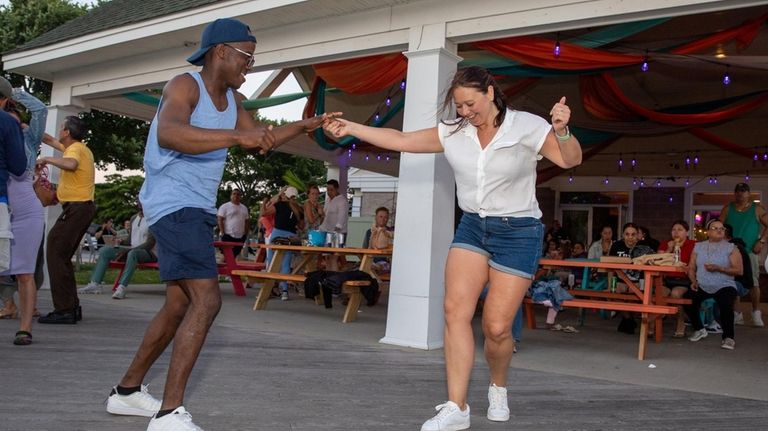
(122, 390)
(162, 413)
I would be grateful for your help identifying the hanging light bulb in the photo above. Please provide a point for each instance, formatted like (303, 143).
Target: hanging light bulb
(387, 158)
(556, 50)
(620, 162)
(605, 181)
(634, 181)
(644, 66)
(670, 199)
(658, 182)
(756, 157)
(354, 146)
(376, 117)
(633, 163)
(642, 182)
(349, 154)
(696, 160)
(687, 182)
(367, 157)
(765, 156)
(687, 161)
(570, 178)
(726, 76)
(388, 102)
(746, 177)
(714, 180)
(402, 84)
(378, 157)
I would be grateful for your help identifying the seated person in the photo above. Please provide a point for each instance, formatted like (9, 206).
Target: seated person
(379, 237)
(578, 252)
(676, 285)
(629, 247)
(107, 228)
(713, 267)
(124, 234)
(141, 251)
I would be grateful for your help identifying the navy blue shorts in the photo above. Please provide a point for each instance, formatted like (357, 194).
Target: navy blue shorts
(512, 244)
(185, 245)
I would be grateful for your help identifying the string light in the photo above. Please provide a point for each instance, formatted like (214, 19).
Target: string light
(402, 84)
(726, 75)
(687, 161)
(671, 199)
(746, 177)
(388, 102)
(644, 66)
(605, 181)
(354, 146)
(387, 158)
(570, 178)
(376, 117)
(634, 181)
(633, 163)
(556, 50)
(658, 182)
(688, 181)
(621, 162)
(367, 157)
(378, 157)
(642, 182)
(696, 160)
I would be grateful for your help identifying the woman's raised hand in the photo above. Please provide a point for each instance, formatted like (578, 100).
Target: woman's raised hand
(561, 114)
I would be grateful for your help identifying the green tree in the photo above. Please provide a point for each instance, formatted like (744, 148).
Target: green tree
(116, 199)
(113, 138)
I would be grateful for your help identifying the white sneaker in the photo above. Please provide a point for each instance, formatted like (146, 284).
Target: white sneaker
(449, 418)
(738, 318)
(177, 420)
(698, 335)
(284, 296)
(139, 403)
(119, 292)
(91, 287)
(714, 328)
(757, 319)
(728, 344)
(498, 408)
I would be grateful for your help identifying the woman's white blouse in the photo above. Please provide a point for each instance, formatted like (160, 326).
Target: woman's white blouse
(500, 180)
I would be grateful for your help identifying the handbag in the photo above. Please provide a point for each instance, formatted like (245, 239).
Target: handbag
(44, 189)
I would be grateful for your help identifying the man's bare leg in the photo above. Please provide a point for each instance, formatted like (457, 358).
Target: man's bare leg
(204, 304)
(159, 334)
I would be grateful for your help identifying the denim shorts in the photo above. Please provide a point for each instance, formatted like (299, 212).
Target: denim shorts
(185, 245)
(512, 244)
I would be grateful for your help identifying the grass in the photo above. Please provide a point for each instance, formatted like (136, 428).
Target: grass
(140, 276)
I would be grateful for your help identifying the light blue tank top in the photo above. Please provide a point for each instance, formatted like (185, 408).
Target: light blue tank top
(174, 180)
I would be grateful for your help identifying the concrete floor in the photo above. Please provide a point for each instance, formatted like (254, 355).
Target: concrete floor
(295, 366)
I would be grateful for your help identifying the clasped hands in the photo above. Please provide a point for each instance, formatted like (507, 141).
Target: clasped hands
(263, 139)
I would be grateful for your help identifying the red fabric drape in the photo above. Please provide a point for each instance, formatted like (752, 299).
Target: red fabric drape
(600, 102)
(519, 86)
(612, 95)
(744, 34)
(537, 51)
(364, 75)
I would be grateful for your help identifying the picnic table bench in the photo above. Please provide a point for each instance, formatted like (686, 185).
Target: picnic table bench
(636, 300)
(307, 263)
(224, 268)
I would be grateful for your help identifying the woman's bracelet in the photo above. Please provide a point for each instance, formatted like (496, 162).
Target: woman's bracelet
(565, 137)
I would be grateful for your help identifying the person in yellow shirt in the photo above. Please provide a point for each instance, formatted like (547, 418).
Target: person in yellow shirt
(75, 192)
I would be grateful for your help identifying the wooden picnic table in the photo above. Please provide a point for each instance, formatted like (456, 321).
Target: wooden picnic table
(648, 301)
(307, 263)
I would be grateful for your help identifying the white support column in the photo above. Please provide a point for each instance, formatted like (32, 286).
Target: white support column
(425, 202)
(56, 116)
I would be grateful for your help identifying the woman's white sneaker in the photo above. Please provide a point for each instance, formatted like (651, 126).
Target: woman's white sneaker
(177, 420)
(139, 403)
(698, 335)
(498, 408)
(449, 417)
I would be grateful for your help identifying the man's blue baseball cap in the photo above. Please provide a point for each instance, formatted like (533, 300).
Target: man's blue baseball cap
(222, 30)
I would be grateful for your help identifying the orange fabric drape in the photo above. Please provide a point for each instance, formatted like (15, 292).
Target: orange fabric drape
(721, 142)
(537, 51)
(364, 75)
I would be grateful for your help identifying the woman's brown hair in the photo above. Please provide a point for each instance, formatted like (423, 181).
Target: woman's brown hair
(480, 79)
